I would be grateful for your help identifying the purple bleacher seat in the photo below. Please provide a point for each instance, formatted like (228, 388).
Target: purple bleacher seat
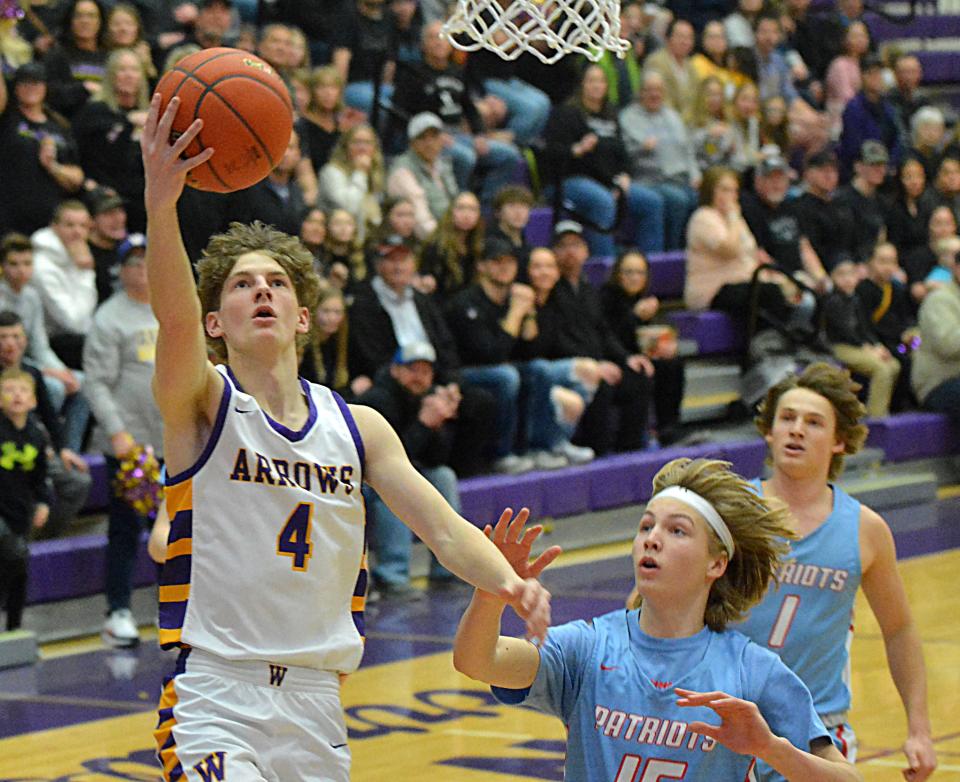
(713, 331)
(668, 272)
(540, 226)
(72, 567)
(477, 499)
(746, 456)
(916, 435)
(939, 67)
(613, 481)
(565, 492)
(927, 26)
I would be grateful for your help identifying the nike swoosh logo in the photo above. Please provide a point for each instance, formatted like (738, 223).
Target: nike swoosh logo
(237, 409)
(608, 667)
(338, 746)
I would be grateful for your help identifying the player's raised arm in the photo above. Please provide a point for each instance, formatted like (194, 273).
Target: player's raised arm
(458, 544)
(479, 651)
(183, 374)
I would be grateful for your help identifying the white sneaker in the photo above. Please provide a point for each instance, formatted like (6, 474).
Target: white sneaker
(120, 630)
(512, 464)
(545, 460)
(575, 454)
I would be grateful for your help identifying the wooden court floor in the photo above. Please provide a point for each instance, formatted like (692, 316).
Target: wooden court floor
(411, 717)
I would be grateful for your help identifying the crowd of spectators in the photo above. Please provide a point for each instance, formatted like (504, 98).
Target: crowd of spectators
(745, 132)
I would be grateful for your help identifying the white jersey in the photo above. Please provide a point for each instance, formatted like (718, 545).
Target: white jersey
(266, 553)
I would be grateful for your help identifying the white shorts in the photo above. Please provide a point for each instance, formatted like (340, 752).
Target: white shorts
(842, 734)
(250, 721)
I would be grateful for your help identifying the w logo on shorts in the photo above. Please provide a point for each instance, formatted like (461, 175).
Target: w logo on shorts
(213, 766)
(277, 672)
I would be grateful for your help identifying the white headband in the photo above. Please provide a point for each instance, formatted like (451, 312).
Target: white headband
(705, 509)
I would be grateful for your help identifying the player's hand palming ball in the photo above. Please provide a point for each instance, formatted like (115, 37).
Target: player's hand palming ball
(246, 111)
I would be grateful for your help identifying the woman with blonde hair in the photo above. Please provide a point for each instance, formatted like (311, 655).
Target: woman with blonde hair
(450, 255)
(353, 178)
(324, 358)
(108, 131)
(125, 31)
(711, 134)
(324, 117)
(706, 549)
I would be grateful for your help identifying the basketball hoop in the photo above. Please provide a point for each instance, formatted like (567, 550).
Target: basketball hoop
(548, 29)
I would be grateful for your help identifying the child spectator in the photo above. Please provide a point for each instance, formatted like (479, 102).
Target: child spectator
(511, 208)
(885, 300)
(854, 341)
(345, 265)
(23, 487)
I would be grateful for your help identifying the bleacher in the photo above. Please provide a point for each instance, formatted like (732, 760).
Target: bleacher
(73, 567)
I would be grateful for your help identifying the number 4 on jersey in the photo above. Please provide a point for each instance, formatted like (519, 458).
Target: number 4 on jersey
(294, 539)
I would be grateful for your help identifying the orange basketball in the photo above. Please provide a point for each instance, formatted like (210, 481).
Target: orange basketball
(246, 111)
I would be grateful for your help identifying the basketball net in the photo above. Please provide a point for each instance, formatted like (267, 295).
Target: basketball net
(548, 29)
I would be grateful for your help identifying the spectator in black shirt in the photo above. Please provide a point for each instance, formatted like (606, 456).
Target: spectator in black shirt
(947, 184)
(886, 303)
(364, 52)
(278, 199)
(38, 154)
(909, 212)
(583, 331)
(853, 340)
(919, 263)
(388, 310)
(486, 320)
(108, 227)
(861, 198)
(76, 65)
(108, 133)
(905, 96)
(24, 497)
(511, 211)
(438, 85)
(828, 225)
(775, 225)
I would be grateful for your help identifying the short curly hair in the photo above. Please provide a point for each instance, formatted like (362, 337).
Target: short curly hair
(221, 254)
(760, 530)
(838, 388)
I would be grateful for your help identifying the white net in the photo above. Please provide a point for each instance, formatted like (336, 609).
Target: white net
(548, 29)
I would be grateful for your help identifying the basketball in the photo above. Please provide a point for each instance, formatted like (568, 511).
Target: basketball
(246, 111)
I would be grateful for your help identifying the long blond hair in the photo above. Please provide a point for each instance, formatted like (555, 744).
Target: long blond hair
(760, 530)
(108, 90)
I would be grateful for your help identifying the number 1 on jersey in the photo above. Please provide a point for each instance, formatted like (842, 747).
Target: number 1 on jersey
(294, 539)
(788, 610)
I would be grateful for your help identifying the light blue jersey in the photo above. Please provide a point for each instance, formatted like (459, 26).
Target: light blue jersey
(612, 686)
(808, 620)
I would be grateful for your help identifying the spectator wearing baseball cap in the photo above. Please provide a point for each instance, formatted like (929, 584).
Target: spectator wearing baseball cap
(422, 174)
(775, 223)
(108, 228)
(828, 225)
(869, 116)
(861, 197)
(425, 416)
(38, 155)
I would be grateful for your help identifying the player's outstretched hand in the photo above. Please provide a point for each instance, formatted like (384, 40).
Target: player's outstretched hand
(921, 758)
(743, 728)
(164, 167)
(528, 598)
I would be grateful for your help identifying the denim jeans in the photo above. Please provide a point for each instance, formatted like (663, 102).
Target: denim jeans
(74, 408)
(679, 202)
(497, 167)
(945, 398)
(391, 539)
(124, 526)
(528, 108)
(645, 212)
(359, 95)
(544, 428)
(503, 382)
